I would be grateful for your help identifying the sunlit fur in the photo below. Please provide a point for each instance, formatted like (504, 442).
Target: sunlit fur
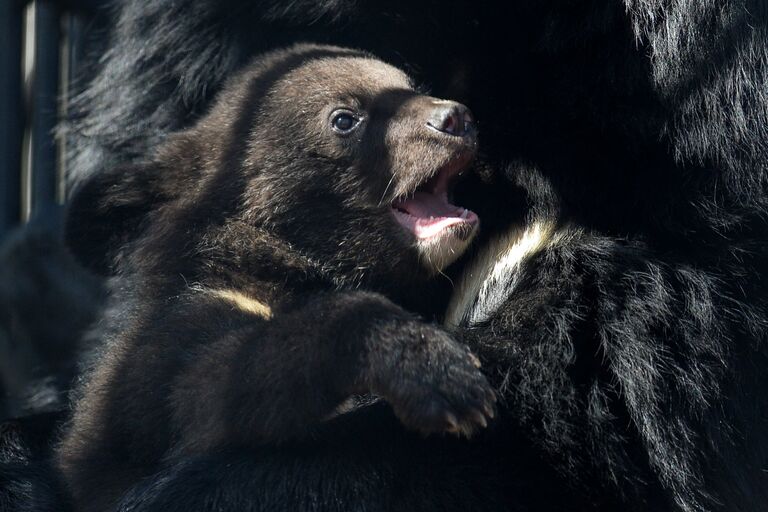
(244, 302)
(488, 280)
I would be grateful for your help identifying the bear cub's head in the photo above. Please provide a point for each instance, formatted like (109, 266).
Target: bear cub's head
(328, 148)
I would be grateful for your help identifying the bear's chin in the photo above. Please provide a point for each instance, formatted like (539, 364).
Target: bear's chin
(441, 230)
(440, 240)
(443, 248)
(441, 234)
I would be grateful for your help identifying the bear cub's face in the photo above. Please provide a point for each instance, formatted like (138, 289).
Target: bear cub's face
(328, 149)
(343, 150)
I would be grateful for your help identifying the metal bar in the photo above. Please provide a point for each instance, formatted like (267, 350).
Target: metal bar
(45, 105)
(11, 113)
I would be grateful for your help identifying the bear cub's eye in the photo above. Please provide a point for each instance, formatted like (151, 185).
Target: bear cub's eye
(344, 121)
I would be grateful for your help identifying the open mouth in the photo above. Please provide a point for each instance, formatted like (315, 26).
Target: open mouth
(428, 213)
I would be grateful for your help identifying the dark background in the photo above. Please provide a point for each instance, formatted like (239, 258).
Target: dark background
(44, 46)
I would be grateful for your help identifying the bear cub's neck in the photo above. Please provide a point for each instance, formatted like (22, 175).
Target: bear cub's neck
(230, 254)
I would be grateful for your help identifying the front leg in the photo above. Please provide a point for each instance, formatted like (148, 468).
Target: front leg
(211, 370)
(276, 378)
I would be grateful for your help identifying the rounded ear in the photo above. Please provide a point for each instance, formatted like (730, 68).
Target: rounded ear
(106, 212)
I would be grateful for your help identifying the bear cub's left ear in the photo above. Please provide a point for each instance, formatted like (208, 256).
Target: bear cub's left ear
(107, 211)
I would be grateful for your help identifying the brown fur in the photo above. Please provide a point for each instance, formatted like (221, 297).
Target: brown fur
(261, 265)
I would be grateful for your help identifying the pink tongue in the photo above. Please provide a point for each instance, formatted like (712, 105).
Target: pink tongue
(424, 204)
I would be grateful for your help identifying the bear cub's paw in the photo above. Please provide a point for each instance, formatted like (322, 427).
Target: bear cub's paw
(433, 382)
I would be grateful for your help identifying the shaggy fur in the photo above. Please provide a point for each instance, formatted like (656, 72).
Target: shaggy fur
(259, 265)
(27, 482)
(629, 341)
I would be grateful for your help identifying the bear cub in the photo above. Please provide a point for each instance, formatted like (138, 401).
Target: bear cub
(265, 257)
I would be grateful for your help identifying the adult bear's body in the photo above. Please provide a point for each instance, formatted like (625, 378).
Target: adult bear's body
(631, 343)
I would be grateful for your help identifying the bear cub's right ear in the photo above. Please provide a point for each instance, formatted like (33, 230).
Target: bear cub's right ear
(107, 211)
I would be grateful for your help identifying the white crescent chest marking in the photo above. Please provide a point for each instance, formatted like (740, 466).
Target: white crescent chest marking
(243, 302)
(494, 273)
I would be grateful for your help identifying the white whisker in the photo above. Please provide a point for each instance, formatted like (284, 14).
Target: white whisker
(387, 189)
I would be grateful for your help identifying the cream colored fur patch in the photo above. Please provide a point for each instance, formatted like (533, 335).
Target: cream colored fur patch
(244, 302)
(490, 278)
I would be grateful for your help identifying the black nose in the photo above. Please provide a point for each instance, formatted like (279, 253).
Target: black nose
(452, 118)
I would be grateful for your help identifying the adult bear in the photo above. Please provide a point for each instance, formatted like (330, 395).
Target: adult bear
(628, 340)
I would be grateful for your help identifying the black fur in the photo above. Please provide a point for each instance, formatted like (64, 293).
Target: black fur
(635, 340)
(28, 483)
(256, 293)
(631, 348)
